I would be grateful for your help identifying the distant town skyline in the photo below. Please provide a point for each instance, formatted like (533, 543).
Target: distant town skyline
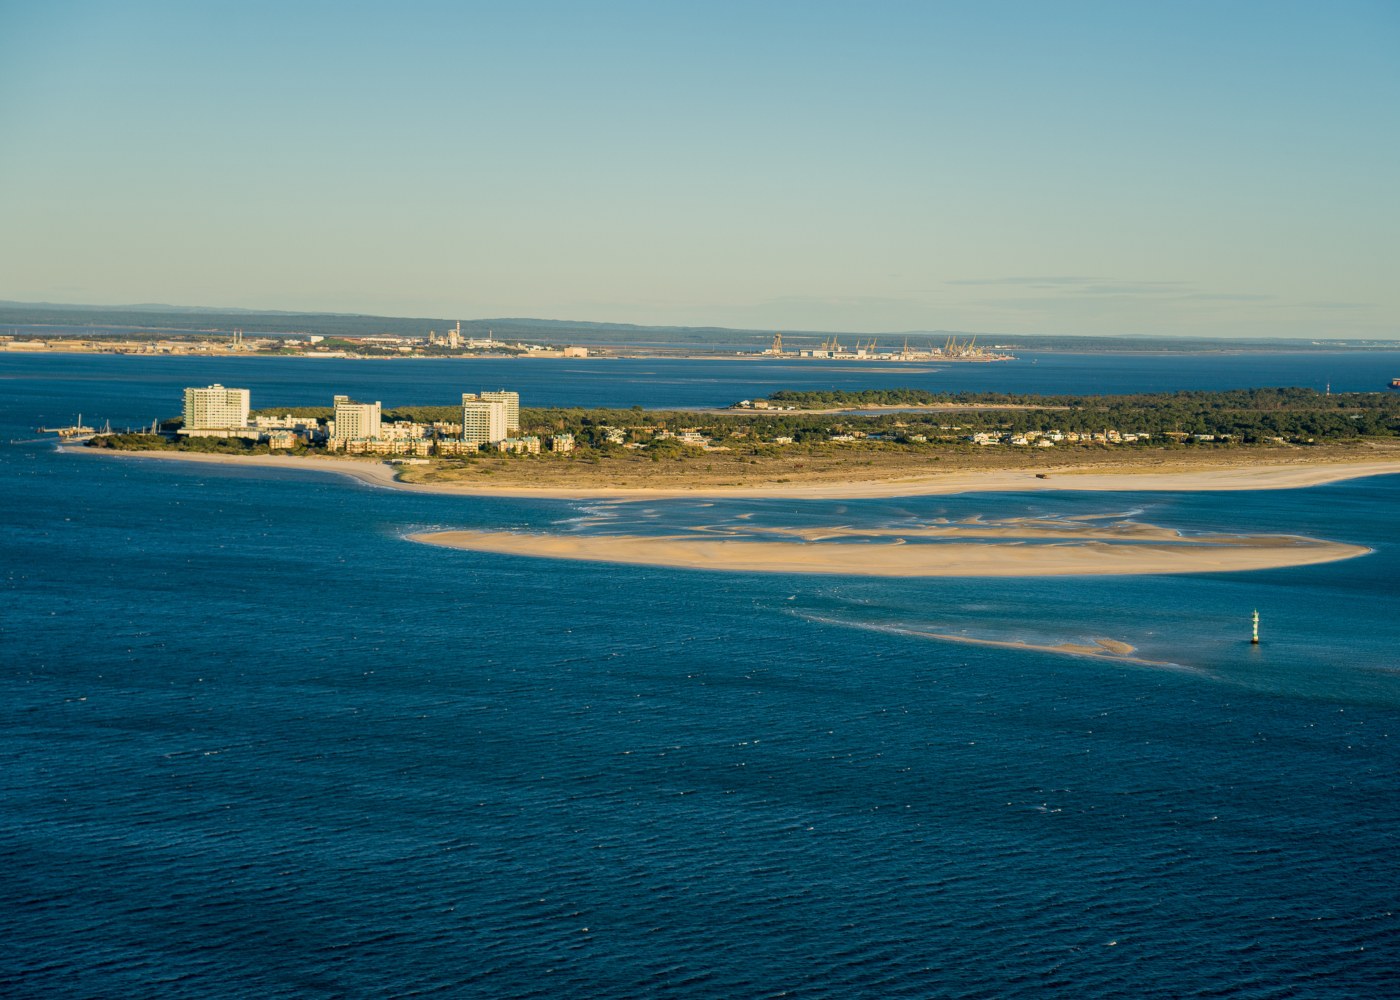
(1011, 168)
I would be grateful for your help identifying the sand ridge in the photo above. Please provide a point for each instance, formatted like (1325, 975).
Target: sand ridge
(1097, 648)
(1262, 476)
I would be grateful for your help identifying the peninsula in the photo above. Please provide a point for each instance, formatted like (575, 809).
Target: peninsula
(804, 444)
(488, 444)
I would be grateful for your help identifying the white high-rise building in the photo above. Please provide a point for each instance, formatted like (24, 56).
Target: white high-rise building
(512, 401)
(355, 421)
(483, 421)
(215, 408)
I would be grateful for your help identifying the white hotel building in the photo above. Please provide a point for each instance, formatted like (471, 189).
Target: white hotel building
(355, 421)
(485, 421)
(510, 399)
(215, 408)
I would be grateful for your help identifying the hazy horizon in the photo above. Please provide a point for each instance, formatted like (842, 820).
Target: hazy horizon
(1011, 169)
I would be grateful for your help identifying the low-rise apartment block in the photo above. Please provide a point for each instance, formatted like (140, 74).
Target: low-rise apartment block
(453, 447)
(520, 446)
(381, 446)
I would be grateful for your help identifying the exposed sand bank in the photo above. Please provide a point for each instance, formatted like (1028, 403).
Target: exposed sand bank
(1250, 474)
(1096, 648)
(1213, 554)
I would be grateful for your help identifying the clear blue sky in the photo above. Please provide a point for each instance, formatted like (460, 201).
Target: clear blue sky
(1224, 169)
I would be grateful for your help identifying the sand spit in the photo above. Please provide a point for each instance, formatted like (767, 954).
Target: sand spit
(1095, 649)
(1240, 477)
(1218, 554)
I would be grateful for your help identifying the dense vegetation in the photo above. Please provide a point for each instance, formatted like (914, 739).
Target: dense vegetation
(204, 445)
(1249, 416)
(1176, 420)
(1246, 414)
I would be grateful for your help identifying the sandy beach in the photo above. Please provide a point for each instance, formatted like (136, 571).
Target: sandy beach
(1253, 474)
(1008, 557)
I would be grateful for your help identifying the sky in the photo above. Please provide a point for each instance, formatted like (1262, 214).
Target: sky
(1192, 169)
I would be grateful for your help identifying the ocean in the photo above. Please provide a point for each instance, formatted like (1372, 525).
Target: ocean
(256, 743)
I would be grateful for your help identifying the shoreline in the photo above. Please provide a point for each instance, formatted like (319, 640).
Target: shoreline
(1262, 476)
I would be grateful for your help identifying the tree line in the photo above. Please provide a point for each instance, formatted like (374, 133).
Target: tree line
(1233, 417)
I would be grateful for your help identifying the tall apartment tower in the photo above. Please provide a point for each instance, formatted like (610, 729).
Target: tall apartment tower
(215, 408)
(512, 401)
(483, 420)
(355, 420)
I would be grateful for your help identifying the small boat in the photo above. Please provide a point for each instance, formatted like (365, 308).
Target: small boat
(1395, 383)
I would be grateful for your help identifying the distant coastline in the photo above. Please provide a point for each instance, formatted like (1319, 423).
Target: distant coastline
(650, 352)
(50, 319)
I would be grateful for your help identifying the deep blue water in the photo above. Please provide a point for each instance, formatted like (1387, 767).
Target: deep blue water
(134, 390)
(255, 743)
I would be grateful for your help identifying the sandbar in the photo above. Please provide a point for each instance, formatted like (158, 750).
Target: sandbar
(1209, 554)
